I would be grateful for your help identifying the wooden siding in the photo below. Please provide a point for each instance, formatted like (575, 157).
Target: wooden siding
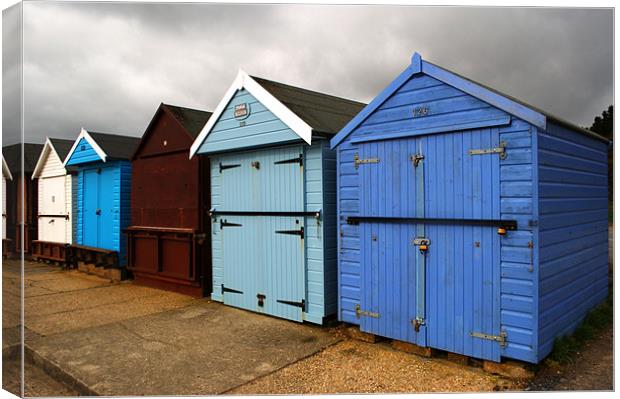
(450, 109)
(319, 263)
(121, 192)
(83, 153)
(330, 230)
(260, 128)
(53, 169)
(573, 230)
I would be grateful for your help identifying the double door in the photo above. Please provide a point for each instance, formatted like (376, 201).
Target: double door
(261, 226)
(430, 271)
(99, 212)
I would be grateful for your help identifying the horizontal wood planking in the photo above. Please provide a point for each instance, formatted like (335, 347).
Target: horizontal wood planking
(573, 230)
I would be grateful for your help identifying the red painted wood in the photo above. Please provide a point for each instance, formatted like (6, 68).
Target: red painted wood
(169, 203)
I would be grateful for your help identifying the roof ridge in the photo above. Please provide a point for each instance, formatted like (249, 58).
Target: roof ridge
(317, 93)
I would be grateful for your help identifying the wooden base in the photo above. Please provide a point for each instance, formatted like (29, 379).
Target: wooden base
(509, 369)
(113, 274)
(195, 291)
(51, 251)
(412, 348)
(355, 333)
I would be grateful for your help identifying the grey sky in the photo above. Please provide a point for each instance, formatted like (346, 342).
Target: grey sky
(107, 66)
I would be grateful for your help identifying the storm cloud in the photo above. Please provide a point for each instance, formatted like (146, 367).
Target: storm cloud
(107, 66)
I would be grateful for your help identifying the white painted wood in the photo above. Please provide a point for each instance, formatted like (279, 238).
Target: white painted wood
(245, 81)
(54, 196)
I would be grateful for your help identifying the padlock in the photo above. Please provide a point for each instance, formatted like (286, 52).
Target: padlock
(501, 231)
(423, 248)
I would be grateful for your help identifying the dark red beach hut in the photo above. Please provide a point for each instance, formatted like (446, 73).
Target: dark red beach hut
(170, 199)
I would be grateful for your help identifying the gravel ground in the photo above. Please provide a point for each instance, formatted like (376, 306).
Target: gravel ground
(591, 370)
(352, 366)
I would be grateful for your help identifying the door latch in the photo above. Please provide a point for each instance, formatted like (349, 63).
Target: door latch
(261, 299)
(417, 323)
(416, 159)
(357, 161)
(422, 243)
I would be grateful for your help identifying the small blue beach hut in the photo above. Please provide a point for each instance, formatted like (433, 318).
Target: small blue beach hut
(469, 221)
(103, 190)
(273, 197)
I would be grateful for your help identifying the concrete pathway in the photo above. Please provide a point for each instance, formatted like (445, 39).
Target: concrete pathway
(125, 339)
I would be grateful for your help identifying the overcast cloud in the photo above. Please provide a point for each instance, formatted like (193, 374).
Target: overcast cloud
(107, 66)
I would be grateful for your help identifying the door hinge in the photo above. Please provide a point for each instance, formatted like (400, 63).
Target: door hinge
(359, 313)
(501, 338)
(416, 159)
(530, 245)
(222, 166)
(299, 160)
(299, 232)
(357, 161)
(225, 223)
(301, 304)
(501, 150)
(226, 289)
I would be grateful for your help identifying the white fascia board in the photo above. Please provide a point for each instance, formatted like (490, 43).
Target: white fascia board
(84, 134)
(245, 81)
(47, 147)
(6, 172)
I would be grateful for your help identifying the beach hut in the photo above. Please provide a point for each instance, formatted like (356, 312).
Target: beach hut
(22, 196)
(469, 221)
(103, 197)
(273, 197)
(168, 245)
(55, 188)
(6, 175)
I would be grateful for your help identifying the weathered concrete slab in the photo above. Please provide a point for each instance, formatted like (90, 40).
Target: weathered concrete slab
(206, 348)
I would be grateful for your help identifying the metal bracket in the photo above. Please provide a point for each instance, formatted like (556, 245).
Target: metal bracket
(501, 338)
(359, 313)
(416, 159)
(301, 304)
(501, 150)
(421, 241)
(417, 323)
(530, 245)
(357, 161)
(299, 160)
(225, 223)
(226, 289)
(222, 167)
(299, 232)
(261, 299)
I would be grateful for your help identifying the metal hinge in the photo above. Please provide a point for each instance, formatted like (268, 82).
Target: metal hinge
(301, 304)
(357, 161)
(222, 167)
(501, 338)
(226, 289)
(416, 159)
(530, 245)
(501, 150)
(299, 232)
(225, 223)
(359, 313)
(299, 160)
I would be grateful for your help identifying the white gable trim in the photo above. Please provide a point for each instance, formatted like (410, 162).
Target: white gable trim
(6, 172)
(245, 81)
(47, 148)
(84, 134)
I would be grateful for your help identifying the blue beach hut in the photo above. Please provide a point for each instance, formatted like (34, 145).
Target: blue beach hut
(103, 193)
(469, 221)
(273, 197)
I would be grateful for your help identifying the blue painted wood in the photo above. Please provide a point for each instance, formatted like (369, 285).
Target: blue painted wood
(103, 201)
(83, 153)
(573, 231)
(260, 128)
